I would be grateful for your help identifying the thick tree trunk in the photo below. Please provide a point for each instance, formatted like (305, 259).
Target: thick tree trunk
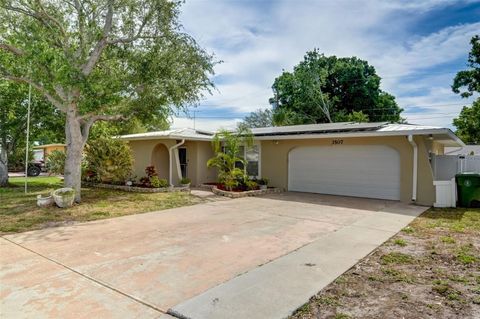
(3, 166)
(73, 162)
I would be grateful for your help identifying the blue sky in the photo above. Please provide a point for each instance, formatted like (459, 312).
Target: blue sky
(416, 47)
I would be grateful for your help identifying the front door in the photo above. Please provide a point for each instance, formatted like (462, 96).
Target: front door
(182, 157)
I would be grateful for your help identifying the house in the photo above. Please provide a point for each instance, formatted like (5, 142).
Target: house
(40, 152)
(374, 160)
(466, 150)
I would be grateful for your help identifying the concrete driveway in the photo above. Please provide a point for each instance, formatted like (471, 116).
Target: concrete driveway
(256, 257)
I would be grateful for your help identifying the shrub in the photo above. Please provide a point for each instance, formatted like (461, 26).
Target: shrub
(157, 182)
(56, 162)
(185, 180)
(109, 160)
(251, 185)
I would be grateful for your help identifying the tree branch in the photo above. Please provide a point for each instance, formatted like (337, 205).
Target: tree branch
(12, 49)
(58, 104)
(136, 36)
(101, 44)
(88, 124)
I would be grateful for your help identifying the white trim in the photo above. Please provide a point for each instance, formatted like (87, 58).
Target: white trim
(415, 167)
(170, 169)
(362, 134)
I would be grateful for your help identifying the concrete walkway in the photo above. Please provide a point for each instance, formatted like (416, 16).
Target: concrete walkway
(244, 258)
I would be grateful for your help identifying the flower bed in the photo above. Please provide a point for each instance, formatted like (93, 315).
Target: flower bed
(214, 187)
(137, 189)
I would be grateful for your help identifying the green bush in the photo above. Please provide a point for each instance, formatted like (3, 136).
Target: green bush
(156, 182)
(109, 160)
(251, 185)
(56, 162)
(185, 180)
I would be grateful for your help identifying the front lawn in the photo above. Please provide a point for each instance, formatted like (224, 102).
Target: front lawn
(431, 269)
(18, 211)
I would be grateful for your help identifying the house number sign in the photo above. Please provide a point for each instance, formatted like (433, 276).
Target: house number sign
(337, 142)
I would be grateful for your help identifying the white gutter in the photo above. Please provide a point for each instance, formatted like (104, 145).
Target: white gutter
(170, 150)
(415, 167)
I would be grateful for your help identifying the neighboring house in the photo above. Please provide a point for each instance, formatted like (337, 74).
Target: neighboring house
(374, 160)
(40, 152)
(466, 150)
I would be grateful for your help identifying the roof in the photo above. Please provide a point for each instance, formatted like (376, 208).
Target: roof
(327, 130)
(317, 128)
(183, 133)
(466, 150)
(50, 145)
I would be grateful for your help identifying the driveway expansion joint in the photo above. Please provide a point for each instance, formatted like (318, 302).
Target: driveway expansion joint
(105, 285)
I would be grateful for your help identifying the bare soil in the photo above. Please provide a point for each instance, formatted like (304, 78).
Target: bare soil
(431, 269)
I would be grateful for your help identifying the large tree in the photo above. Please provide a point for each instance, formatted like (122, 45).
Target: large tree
(101, 60)
(467, 83)
(259, 118)
(46, 124)
(326, 88)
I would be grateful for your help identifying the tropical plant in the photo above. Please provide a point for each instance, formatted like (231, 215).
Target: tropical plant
(251, 184)
(110, 160)
(56, 162)
(227, 147)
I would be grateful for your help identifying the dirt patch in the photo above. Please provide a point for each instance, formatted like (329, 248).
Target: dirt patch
(431, 269)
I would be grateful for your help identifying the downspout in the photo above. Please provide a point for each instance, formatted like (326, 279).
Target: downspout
(170, 150)
(415, 167)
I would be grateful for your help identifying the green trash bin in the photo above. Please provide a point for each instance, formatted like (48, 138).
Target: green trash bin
(468, 189)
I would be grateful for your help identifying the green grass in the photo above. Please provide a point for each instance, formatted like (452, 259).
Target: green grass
(18, 211)
(459, 220)
(465, 255)
(400, 242)
(395, 258)
(447, 239)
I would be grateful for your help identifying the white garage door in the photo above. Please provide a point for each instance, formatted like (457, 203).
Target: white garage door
(352, 170)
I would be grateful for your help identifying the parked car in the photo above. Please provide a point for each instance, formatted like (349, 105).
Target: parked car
(34, 168)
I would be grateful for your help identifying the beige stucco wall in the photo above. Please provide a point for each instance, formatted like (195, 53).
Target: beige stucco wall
(198, 152)
(274, 156)
(274, 160)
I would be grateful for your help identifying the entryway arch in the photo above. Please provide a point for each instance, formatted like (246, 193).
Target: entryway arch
(160, 159)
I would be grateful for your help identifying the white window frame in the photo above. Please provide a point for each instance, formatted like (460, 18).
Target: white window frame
(259, 145)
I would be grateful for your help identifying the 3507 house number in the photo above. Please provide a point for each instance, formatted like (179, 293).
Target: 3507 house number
(337, 142)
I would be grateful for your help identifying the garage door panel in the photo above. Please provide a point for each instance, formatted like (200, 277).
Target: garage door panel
(360, 170)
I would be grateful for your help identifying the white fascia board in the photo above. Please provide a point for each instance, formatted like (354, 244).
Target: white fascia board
(363, 134)
(166, 137)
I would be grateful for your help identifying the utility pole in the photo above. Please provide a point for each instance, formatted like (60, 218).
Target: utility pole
(28, 134)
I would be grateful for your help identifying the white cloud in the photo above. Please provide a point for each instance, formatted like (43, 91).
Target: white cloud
(257, 39)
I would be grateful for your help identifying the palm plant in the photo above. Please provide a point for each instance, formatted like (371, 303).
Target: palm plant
(226, 146)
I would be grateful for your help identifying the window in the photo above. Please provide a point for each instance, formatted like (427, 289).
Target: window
(252, 156)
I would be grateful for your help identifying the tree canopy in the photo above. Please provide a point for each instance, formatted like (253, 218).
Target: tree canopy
(467, 83)
(323, 88)
(101, 60)
(469, 80)
(46, 124)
